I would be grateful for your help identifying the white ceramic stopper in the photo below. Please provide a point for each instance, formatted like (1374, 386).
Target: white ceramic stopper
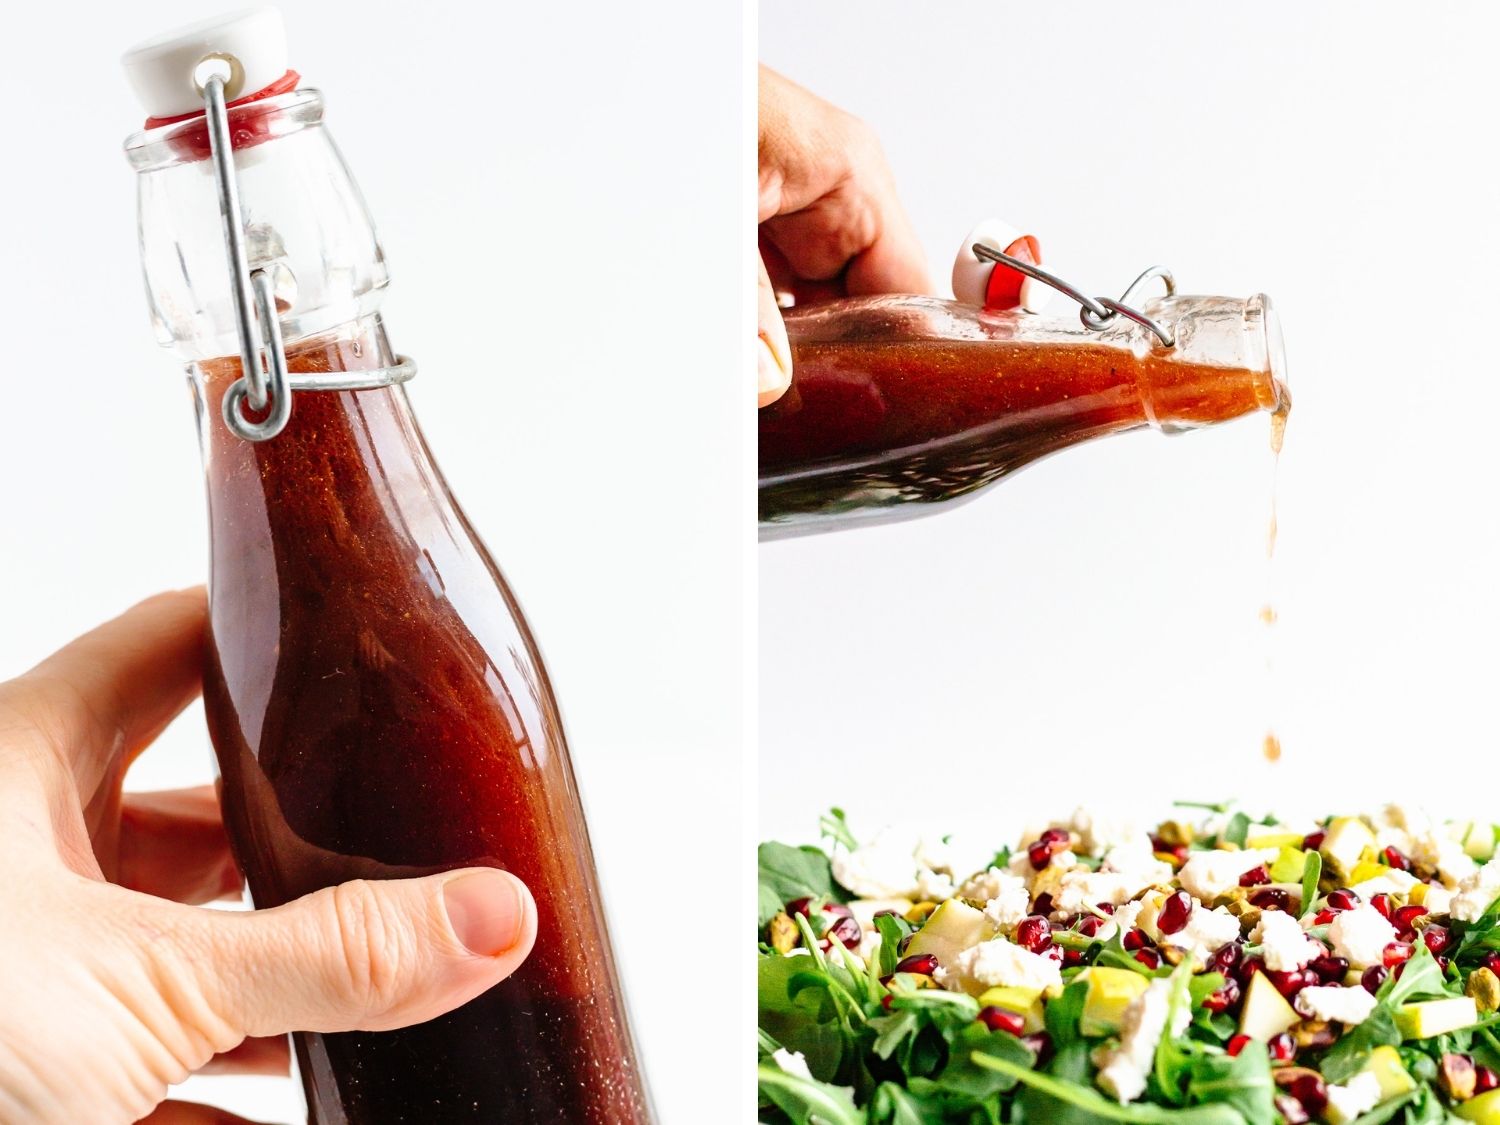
(164, 72)
(971, 274)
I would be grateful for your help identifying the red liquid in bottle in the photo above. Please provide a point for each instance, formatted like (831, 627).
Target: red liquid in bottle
(379, 710)
(876, 420)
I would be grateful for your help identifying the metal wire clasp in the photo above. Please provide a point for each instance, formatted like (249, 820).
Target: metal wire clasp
(1097, 313)
(255, 309)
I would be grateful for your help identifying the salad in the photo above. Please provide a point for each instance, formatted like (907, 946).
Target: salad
(1213, 969)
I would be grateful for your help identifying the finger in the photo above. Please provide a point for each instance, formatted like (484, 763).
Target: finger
(366, 956)
(192, 1113)
(773, 352)
(894, 261)
(172, 845)
(268, 1055)
(101, 699)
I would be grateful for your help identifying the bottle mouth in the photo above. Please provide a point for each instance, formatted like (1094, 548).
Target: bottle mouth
(1265, 325)
(250, 123)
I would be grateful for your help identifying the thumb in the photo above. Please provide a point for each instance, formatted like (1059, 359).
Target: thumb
(368, 956)
(773, 353)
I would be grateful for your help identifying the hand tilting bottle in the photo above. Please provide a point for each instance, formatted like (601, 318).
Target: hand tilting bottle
(377, 703)
(902, 404)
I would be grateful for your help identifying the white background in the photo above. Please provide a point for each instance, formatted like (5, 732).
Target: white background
(1088, 629)
(558, 187)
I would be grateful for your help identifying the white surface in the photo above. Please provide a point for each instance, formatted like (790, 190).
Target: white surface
(584, 404)
(1089, 627)
(163, 70)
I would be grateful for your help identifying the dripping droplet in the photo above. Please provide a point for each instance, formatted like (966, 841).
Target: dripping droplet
(1272, 747)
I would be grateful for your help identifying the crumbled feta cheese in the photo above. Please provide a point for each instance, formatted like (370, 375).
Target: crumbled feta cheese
(1439, 900)
(1206, 932)
(1137, 863)
(1359, 1095)
(958, 857)
(793, 1062)
(934, 886)
(1099, 833)
(1446, 855)
(1360, 935)
(1335, 1002)
(1009, 903)
(1477, 893)
(1207, 875)
(1123, 1068)
(1393, 882)
(1127, 915)
(1082, 889)
(884, 868)
(1062, 861)
(1283, 945)
(869, 945)
(1004, 962)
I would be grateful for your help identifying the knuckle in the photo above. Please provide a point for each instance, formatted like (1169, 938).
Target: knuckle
(371, 946)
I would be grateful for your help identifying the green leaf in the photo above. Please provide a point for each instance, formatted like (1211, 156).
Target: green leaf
(788, 873)
(1420, 979)
(892, 930)
(1312, 870)
(1221, 807)
(1097, 1106)
(894, 1105)
(1063, 1014)
(962, 1076)
(807, 1101)
(1237, 830)
(833, 825)
(800, 1018)
(1170, 1064)
(1242, 1082)
(1348, 1056)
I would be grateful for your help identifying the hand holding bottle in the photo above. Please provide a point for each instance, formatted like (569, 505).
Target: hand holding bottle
(830, 221)
(117, 986)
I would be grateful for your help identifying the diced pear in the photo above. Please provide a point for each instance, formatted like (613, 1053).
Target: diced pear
(1427, 1018)
(1485, 1109)
(1024, 1002)
(1478, 839)
(1386, 1065)
(1365, 869)
(1150, 910)
(1110, 993)
(1275, 840)
(950, 929)
(1287, 867)
(1345, 842)
(1266, 1013)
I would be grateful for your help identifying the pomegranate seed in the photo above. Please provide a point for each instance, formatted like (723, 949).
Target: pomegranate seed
(1310, 1090)
(1323, 917)
(1040, 855)
(1382, 903)
(1396, 858)
(1107, 907)
(998, 1019)
(1179, 852)
(1442, 963)
(838, 909)
(1034, 933)
(1042, 905)
(1373, 977)
(1248, 968)
(1330, 969)
(1174, 912)
(799, 906)
(1225, 958)
(1223, 999)
(1237, 1043)
(1314, 840)
(1072, 957)
(1291, 1110)
(1134, 939)
(845, 930)
(1484, 1079)
(886, 914)
(1148, 957)
(904, 942)
(1406, 916)
(1492, 963)
(1255, 877)
(1282, 1047)
(1342, 899)
(1436, 938)
(885, 1001)
(1292, 982)
(1396, 954)
(1041, 1045)
(925, 963)
(1055, 836)
(1055, 952)
(1270, 898)
(1091, 925)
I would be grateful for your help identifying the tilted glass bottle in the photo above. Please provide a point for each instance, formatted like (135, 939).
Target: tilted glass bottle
(900, 405)
(377, 703)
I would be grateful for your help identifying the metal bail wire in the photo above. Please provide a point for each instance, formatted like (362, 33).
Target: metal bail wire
(1097, 313)
(255, 309)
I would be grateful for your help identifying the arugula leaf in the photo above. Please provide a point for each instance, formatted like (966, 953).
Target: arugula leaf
(1063, 1014)
(1209, 806)
(1348, 1056)
(788, 873)
(833, 825)
(807, 1101)
(1170, 1063)
(1242, 1082)
(801, 1019)
(1237, 830)
(963, 1077)
(1096, 1105)
(895, 1105)
(1420, 978)
(892, 930)
(1312, 870)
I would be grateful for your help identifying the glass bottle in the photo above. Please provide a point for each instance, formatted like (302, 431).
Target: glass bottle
(377, 703)
(902, 405)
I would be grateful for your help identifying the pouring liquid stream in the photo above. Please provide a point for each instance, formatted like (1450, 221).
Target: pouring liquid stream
(1271, 744)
